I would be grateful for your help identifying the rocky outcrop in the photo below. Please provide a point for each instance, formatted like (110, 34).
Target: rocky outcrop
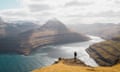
(70, 61)
(106, 53)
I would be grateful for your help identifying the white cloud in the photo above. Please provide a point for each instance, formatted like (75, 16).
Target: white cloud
(117, 1)
(14, 12)
(39, 7)
(69, 11)
(78, 3)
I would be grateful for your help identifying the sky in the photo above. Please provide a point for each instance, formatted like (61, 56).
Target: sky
(7, 4)
(68, 11)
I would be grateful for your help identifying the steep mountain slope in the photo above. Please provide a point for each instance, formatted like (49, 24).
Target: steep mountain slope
(106, 53)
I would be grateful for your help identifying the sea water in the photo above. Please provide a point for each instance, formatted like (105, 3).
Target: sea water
(46, 56)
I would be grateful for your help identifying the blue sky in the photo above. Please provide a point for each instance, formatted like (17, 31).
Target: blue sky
(9, 4)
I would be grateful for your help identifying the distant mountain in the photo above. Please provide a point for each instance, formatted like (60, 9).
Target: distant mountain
(24, 26)
(2, 28)
(106, 53)
(12, 29)
(51, 33)
(9, 32)
(1, 21)
(104, 30)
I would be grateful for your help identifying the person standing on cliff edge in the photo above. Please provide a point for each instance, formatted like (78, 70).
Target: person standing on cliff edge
(75, 56)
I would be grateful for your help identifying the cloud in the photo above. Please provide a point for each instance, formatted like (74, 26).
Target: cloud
(105, 14)
(14, 12)
(117, 1)
(39, 7)
(37, 0)
(108, 14)
(68, 11)
(77, 3)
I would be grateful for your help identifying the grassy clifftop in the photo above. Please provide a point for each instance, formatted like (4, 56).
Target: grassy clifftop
(63, 67)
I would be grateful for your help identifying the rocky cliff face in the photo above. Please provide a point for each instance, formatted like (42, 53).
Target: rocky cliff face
(106, 53)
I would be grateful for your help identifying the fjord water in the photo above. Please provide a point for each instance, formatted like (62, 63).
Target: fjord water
(46, 56)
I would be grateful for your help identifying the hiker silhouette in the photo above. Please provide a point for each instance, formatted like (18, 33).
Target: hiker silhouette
(75, 55)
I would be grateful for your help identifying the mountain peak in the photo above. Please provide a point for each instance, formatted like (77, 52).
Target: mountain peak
(54, 21)
(55, 24)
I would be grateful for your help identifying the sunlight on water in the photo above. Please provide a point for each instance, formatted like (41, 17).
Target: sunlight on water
(80, 49)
